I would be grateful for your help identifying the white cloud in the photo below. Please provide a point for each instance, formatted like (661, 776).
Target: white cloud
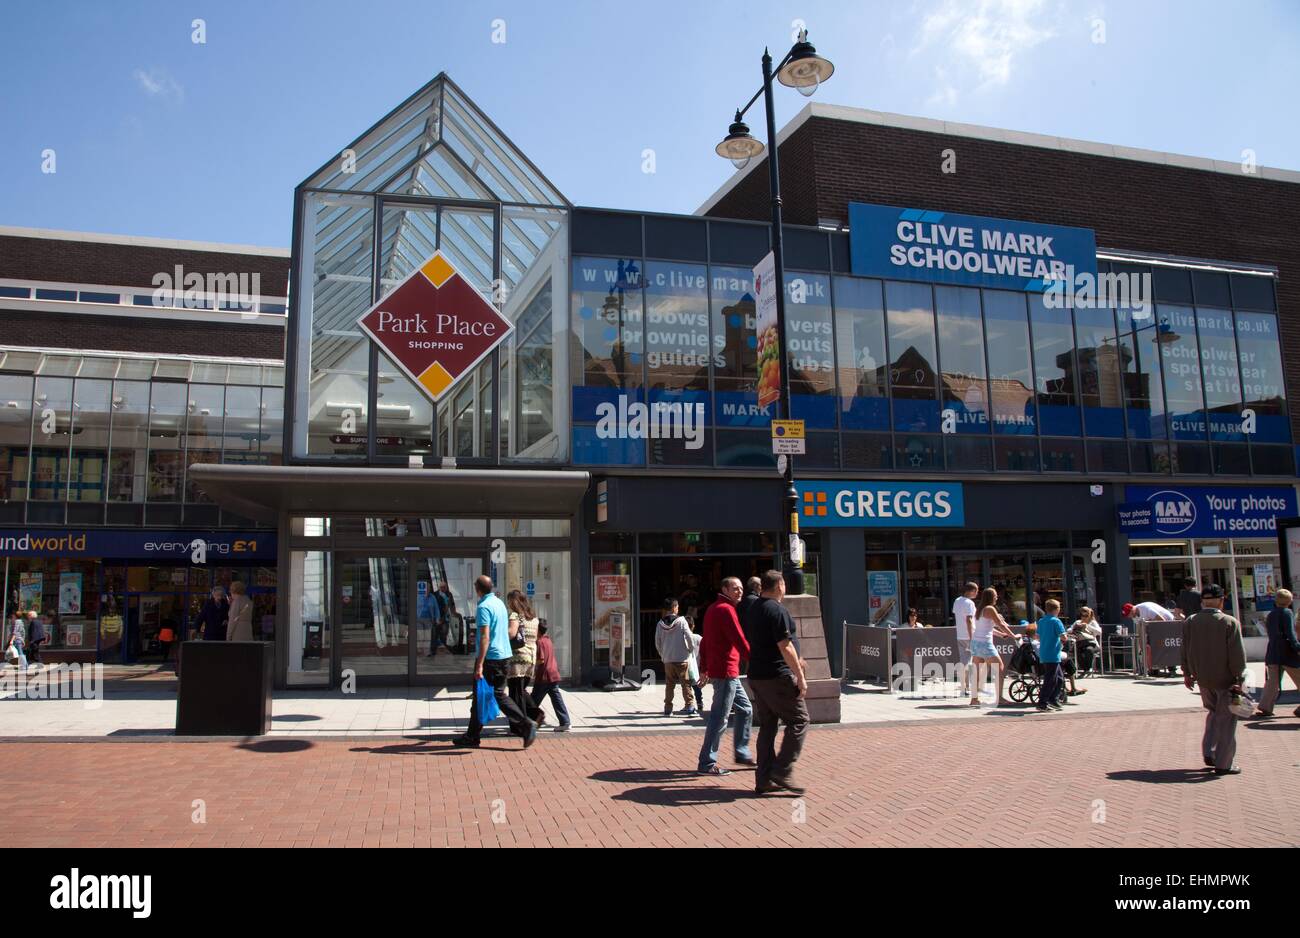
(157, 83)
(980, 41)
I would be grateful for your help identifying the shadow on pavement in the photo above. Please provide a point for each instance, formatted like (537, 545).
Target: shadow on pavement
(1163, 776)
(273, 746)
(420, 749)
(680, 797)
(295, 718)
(643, 776)
(640, 716)
(1273, 724)
(144, 731)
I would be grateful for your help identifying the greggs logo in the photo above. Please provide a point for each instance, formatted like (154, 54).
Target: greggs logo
(814, 504)
(881, 504)
(30, 543)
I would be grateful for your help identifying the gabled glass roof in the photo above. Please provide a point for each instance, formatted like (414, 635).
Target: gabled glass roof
(438, 143)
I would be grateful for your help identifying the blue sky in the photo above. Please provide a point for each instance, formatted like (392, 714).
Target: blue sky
(156, 135)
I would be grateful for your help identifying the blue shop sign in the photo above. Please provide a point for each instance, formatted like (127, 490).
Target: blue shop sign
(880, 505)
(136, 545)
(968, 250)
(1204, 511)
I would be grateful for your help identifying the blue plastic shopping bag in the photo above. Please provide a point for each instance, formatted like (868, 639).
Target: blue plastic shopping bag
(488, 710)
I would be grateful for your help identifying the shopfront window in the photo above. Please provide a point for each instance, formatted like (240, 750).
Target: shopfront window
(51, 432)
(127, 479)
(1011, 377)
(860, 353)
(1054, 368)
(1176, 336)
(810, 352)
(1220, 374)
(15, 438)
(204, 432)
(309, 585)
(1262, 379)
(912, 372)
(1100, 388)
(961, 353)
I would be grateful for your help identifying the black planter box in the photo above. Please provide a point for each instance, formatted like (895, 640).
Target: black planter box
(225, 689)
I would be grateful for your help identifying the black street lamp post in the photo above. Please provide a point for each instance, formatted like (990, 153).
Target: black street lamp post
(802, 69)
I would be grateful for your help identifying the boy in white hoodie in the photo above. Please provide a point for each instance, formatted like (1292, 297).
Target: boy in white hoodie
(675, 646)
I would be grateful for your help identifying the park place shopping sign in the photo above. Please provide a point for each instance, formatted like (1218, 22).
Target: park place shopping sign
(436, 326)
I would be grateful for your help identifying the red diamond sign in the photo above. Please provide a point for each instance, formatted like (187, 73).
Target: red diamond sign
(436, 326)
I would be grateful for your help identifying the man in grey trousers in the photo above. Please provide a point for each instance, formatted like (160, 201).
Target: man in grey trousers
(1214, 656)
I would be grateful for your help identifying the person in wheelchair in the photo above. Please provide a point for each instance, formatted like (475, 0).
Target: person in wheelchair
(1026, 678)
(1086, 635)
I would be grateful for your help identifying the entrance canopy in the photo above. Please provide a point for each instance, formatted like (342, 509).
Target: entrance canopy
(262, 492)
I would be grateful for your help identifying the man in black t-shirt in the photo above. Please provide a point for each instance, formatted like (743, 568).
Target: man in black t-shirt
(753, 586)
(1189, 600)
(777, 681)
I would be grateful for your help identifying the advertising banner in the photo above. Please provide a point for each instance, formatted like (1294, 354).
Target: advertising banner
(943, 247)
(1265, 586)
(69, 594)
(136, 545)
(30, 588)
(882, 597)
(919, 648)
(612, 601)
(866, 653)
(880, 504)
(74, 634)
(1204, 511)
(769, 341)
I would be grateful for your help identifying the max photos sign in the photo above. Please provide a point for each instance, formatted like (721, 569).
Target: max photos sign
(1204, 511)
(435, 325)
(965, 250)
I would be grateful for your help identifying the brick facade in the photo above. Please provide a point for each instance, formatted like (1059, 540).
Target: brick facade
(1132, 205)
(129, 334)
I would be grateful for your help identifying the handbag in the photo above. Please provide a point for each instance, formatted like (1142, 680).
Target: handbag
(519, 639)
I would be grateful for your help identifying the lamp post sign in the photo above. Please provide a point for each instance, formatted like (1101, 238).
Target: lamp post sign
(436, 326)
(767, 326)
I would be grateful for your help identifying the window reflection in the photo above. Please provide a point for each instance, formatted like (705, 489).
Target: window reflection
(1100, 387)
(1054, 368)
(860, 350)
(810, 355)
(1220, 375)
(961, 351)
(1010, 373)
(1143, 392)
(1176, 337)
(735, 349)
(912, 346)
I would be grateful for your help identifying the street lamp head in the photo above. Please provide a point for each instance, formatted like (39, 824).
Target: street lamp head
(806, 70)
(739, 145)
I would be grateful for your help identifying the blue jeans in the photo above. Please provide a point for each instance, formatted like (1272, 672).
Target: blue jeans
(552, 691)
(726, 692)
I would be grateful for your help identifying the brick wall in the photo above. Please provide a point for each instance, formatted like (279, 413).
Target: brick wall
(129, 334)
(128, 265)
(1132, 205)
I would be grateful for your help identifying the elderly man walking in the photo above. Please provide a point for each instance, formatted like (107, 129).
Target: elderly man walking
(723, 648)
(1214, 656)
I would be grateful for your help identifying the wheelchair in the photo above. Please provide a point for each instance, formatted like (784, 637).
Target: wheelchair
(1026, 687)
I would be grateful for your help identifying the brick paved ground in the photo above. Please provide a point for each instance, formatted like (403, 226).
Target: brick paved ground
(925, 784)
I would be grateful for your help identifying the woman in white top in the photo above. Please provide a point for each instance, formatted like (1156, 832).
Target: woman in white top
(982, 649)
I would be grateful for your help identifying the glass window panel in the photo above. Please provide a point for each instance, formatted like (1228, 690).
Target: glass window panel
(968, 453)
(860, 352)
(242, 427)
(1016, 455)
(1262, 379)
(1273, 460)
(15, 435)
(810, 352)
(1231, 459)
(961, 353)
(51, 424)
(1100, 386)
(338, 240)
(1143, 392)
(912, 374)
(167, 407)
(608, 340)
(1176, 334)
(915, 452)
(1054, 368)
(1220, 375)
(534, 392)
(735, 349)
(1062, 455)
(868, 451)
(1010, 373)
(1150, 457)
(90, 420)
(925, 589)
(126, 462)
(1190, 458)
(403, 414)
(1107, 456)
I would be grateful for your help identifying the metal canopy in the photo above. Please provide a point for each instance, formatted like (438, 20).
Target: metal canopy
(262, 492)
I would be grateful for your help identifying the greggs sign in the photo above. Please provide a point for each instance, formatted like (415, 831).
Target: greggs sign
(436, 326)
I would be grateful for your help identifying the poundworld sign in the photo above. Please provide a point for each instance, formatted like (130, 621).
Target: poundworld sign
(880, 505)
(969, 250)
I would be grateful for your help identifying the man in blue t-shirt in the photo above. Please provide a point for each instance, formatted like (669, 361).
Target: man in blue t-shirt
(1050, 631)
(494, 654)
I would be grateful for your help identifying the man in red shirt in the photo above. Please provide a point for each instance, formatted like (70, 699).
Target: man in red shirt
(721, 651)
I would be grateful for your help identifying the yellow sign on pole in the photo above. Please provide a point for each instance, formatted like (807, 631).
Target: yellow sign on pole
(788, 437)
